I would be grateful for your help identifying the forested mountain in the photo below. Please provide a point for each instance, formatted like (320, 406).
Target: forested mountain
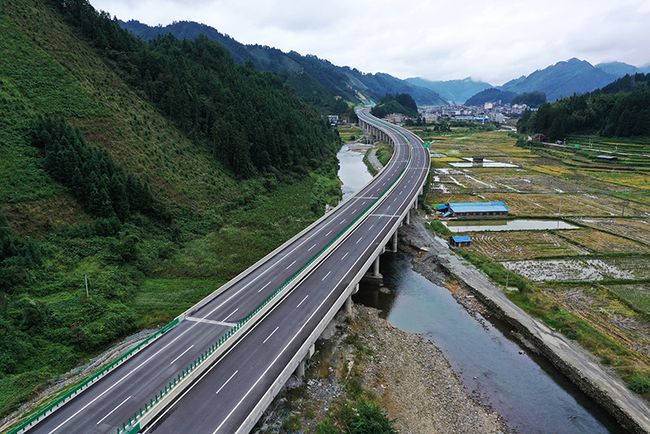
(621, 108)
(311, 77)
(619, 69)
(399, 103)
(455, 91)
(491, 95)
(154, 172)
(562, 79)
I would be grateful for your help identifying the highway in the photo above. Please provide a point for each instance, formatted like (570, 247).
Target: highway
(225, 396)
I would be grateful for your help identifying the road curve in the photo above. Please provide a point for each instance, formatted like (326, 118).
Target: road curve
(226, 394)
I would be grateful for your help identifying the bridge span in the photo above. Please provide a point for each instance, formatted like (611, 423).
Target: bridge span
(217, 367)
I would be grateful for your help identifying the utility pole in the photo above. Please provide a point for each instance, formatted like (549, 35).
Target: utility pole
(86, 283)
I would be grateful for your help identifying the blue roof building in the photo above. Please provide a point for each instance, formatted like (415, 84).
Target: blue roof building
(460, 240)
(477, 209)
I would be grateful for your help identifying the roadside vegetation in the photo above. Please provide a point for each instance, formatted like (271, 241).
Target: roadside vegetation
(590, 283)
(102, 183)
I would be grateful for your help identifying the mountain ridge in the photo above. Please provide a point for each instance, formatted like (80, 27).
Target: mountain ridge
(306, 74)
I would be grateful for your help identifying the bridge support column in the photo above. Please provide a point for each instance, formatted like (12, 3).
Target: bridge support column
(375, 269)
(348, 307)
(408, 217)
(415, 204)
(395, 242)
(300, 370)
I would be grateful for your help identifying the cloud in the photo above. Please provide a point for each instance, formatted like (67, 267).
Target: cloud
(491, 40)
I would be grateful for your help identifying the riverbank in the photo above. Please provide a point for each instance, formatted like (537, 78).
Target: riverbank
(432, 254)
(404, 373)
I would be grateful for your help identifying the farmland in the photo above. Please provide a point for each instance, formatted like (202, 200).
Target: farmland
(592, 282)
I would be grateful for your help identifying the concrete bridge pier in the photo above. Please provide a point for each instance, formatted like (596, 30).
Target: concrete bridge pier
(394, 242)
(408, 217)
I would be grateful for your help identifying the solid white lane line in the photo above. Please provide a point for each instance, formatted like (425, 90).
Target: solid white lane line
(289, 266)
(309, 249)
(111, 412)
(181, 354)
(231, 314)
(267, 284)
(209, 321)
(346, 254)
(227, 381)
(302, 301)
(269, 336)
(328, 273)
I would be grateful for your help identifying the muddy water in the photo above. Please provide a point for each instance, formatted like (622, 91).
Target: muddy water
(525, 389)
(352, 170)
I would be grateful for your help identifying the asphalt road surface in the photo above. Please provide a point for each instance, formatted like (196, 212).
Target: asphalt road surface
(221, 399)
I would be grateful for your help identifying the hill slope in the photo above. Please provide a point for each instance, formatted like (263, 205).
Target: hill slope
(142, 270)
(310, 76)
(456, 91)
(621, 109)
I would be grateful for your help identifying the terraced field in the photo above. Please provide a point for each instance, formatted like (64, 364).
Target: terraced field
(512, 246)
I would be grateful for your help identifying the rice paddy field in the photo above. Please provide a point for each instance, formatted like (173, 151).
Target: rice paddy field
(591, 283)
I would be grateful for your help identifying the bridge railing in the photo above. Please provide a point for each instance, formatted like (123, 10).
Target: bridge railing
(92, 379)
(142, 413)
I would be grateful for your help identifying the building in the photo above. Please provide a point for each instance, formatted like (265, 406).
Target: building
(606, 157)
(474, 209)
(460, 240)
(333, 119)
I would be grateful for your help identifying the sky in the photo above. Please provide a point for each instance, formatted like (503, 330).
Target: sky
(490, 40)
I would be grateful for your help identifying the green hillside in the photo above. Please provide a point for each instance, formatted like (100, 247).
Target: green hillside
(399, 103)
(143, 267)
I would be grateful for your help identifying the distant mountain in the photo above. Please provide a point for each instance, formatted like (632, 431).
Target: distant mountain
(562, 79)
(617, 69)
(491, 95)
(312, 78)
(456, 91)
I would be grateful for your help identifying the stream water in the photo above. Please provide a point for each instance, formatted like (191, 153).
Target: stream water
(531, 395)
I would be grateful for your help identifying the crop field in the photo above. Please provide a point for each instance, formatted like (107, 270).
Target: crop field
(602, 242)
(611, 316)
(517, 245)
(553, 204)
(468, 144)
(636, 229)
(637, 295)
(350, 132)
(590, 283)
(635, 180)
(583, 269)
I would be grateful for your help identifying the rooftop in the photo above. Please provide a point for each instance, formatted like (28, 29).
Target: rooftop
(478, 207)
(461, 238)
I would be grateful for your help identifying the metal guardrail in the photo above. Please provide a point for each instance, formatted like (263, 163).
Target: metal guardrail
(128, 427)
(35, 418)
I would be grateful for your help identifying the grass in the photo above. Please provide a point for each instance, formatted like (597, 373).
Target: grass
(637, 295)
(145, 272)
(349, 133)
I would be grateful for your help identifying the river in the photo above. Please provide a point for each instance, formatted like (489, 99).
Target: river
(530, 394)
